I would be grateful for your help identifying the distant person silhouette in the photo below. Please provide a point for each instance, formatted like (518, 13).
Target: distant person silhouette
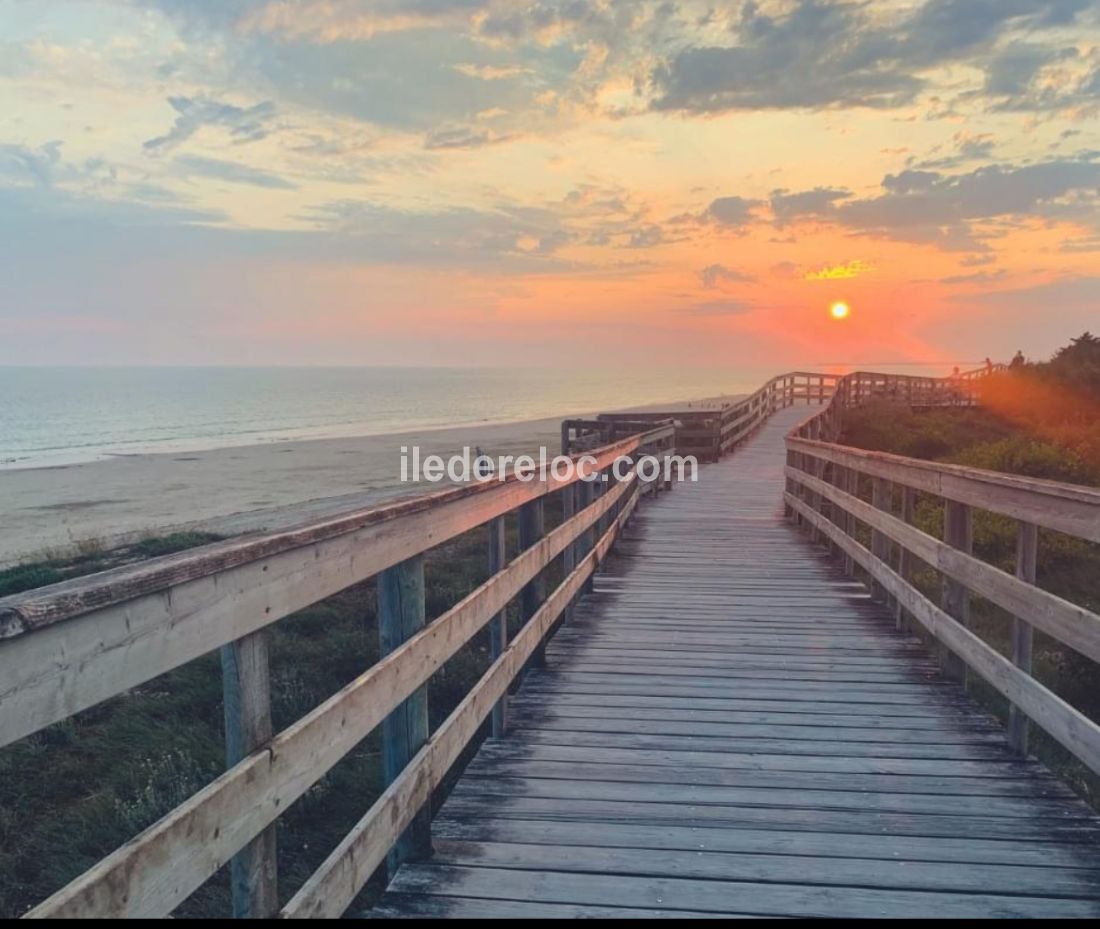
(1018, 360)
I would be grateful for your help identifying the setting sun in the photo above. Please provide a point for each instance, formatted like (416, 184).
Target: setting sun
(840, 310)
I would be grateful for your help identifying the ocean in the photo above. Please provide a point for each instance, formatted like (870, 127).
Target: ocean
(68, 415)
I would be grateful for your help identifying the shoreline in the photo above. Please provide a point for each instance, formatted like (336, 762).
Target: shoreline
(58, 510)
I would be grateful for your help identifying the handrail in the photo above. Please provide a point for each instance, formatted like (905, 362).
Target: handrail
(708, 434)
(70, 646)
(824, 493)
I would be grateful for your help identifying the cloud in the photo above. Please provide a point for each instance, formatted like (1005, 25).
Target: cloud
(815, 54)
(718, 308)
(487, 72)
(510, 237)
(244, 124)
(233, 172)
(927, 205)
(819, 202)
(980, 277)
(1077, 292)
(715, 275)
(732, 211)
(938, 208)
(464, 137)
(966, 147)
(37, 165)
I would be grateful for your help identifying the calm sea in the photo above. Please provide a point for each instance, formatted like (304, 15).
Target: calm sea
(65, 415)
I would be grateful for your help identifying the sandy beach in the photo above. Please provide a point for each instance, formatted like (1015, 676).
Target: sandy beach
(54, 511)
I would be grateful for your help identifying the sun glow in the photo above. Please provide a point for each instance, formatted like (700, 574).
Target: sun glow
(840, 310)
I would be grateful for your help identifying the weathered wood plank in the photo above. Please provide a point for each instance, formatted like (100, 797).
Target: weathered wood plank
(826, 871)
(713, 896)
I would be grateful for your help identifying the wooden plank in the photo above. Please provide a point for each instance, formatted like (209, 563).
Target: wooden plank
(153, 873)
(438, 906)
(246, 696)
(784, 819)
(810, 727)
(825, 870)
(521, 760)
(715, 896)
(1069, 815)
(825, 747)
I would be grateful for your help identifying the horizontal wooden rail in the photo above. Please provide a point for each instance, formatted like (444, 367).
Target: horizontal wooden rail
(710, 433)
(1075, 731)
(822, 493)
(332, 888)
(155, 872)
(68, 647)
(1064, 508)
(1072, 625)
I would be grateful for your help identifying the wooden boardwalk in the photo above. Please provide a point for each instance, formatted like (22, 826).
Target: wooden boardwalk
(730, 726)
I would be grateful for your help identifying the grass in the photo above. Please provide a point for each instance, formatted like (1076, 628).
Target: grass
(1068, 567)
(73, 793)
(91, 557)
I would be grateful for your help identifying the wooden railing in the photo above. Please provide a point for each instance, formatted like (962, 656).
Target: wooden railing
(708, 433)
(962, 389)
(69, 647)
(834, 489)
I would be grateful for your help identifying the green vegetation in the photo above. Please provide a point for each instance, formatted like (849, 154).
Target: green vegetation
(73, 793)
(170, 544)
(92, 557)
(1043, 421)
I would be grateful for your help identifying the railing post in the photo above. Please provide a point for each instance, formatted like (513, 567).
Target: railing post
(788, 513)
(498, 625)
(880, 544)
(905, 560)
(959, 534)
(531, 529)
(1027, 551)
(404, 732)
(850, 483)
(569, 556)
(587, 492)
(246, 690)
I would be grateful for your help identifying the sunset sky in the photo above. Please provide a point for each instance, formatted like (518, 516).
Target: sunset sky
(557, 181)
